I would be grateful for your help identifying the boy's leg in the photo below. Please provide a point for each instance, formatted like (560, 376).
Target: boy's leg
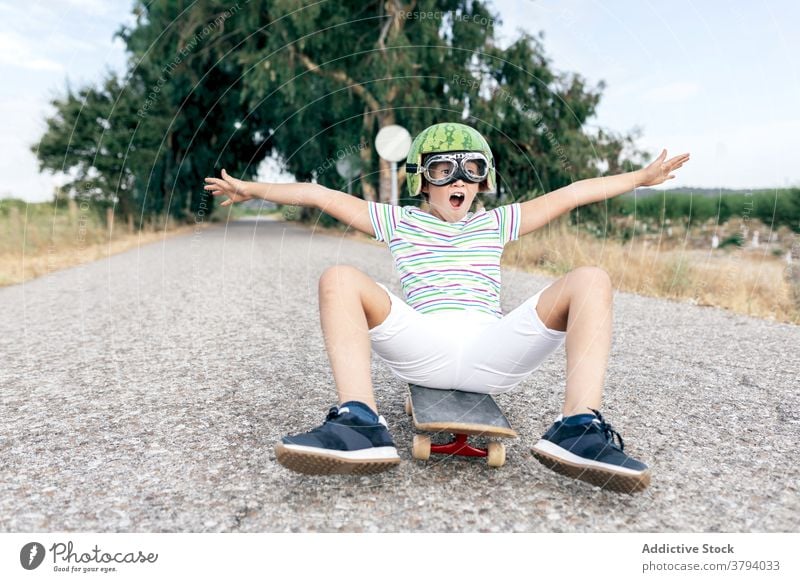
(581, 444)
(581, 303)
(354, 439)
(350, 304)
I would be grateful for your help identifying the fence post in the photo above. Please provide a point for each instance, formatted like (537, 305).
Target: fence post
(793, 272)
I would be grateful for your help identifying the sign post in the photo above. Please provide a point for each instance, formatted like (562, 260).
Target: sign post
(392, 144)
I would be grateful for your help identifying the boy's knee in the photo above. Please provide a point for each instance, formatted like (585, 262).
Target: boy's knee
(596, 276)
(593, 278)
(338, 275)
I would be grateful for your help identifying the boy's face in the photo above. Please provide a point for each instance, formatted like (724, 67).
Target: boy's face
(450, 202)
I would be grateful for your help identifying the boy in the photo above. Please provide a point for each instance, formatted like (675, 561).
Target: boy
(448, 331)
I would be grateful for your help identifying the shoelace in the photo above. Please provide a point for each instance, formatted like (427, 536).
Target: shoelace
(608, 430)
(333, 412)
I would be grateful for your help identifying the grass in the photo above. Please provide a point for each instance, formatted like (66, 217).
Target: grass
(747, 281)
(41, 238)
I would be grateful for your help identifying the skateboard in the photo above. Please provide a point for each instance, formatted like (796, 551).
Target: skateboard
(461, 414)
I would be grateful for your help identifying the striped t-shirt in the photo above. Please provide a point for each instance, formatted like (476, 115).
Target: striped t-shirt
(447, 266)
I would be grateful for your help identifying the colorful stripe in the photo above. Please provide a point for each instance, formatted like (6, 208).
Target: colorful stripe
(447, 266)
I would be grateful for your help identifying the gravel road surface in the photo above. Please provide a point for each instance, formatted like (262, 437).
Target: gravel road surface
(145, 393)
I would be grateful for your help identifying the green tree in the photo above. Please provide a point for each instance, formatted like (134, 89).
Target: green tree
(339, 72)
(146, 141)
(86, 142)
(215, 84)
(190, 99)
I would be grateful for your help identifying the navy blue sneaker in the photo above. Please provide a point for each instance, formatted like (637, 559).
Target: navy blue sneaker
(353, 440)
(583, 447)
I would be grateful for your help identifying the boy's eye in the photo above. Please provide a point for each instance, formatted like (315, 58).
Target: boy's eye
(440, 170)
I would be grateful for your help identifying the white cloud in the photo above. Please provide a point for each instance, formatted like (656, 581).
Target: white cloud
(25, 18)
(90, 7)
(755, 155)
(17, 51)
(60, 43)
(21, 176)
(676, 92)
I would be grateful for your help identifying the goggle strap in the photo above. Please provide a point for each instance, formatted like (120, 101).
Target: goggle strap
(458, 157)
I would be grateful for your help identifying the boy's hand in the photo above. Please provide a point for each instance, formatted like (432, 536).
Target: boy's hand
(660, 171)
(233, 188)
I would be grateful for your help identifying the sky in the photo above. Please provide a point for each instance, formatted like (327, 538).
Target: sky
(716, 79)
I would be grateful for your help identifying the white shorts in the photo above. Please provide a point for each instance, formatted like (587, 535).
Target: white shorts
(475, 352)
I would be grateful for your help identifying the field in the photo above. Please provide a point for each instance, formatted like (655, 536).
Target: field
(660, 260)
(42, 238)
(675, 264)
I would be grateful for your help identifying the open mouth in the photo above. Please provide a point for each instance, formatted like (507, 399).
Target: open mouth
(456, 200)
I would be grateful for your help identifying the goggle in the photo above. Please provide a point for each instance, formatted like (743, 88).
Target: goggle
(442, 169)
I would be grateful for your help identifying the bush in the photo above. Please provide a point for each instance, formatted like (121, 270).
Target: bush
(773, 207)
(684, 208)
(291, 212)
(735, 239)
(327, 220)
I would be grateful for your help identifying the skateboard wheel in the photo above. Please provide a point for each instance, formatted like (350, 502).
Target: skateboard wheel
(421, 448)
(496, 454)
(408, 405)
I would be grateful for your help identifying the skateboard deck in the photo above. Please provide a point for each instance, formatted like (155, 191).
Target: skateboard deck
(462, 414)
(456, 411)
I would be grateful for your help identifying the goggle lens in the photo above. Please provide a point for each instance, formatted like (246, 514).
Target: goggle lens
(444, 169)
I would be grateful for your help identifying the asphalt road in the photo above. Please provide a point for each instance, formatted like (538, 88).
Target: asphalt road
(145, 393)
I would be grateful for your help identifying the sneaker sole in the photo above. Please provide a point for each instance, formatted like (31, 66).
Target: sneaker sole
(311, 462)
(619, 480)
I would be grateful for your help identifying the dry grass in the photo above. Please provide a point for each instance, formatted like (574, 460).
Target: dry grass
(38, 242)
(745, 281)
(742, 280)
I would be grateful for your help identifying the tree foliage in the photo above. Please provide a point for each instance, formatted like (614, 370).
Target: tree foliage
(772, 207)
(215, 84)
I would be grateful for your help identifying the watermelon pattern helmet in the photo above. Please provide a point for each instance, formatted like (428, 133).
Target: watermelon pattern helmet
(441, 138)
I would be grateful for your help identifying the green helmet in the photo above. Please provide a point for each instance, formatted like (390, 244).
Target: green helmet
(441, 138)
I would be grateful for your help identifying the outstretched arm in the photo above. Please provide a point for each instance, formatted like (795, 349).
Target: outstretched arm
(539, 211)
(348, 209)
